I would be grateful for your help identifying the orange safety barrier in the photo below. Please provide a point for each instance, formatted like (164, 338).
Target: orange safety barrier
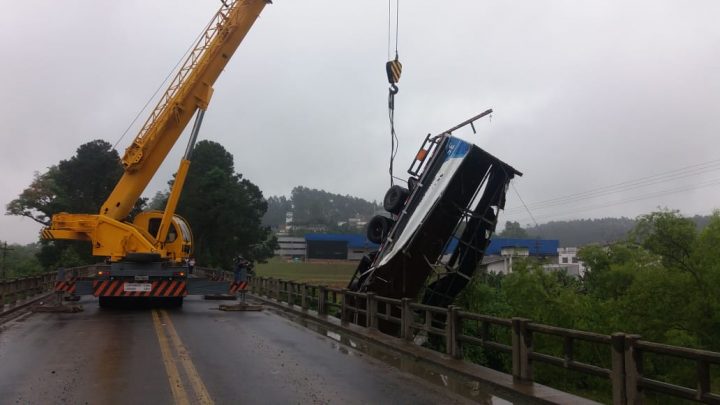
(66, 286)
(238, 286)
(158, 288)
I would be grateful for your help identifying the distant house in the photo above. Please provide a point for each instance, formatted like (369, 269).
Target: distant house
(569, 262)
(501, 252)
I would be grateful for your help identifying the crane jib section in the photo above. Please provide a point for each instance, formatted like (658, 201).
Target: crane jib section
(190, 90)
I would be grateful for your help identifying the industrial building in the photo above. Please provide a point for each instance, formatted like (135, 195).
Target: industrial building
(323, 246)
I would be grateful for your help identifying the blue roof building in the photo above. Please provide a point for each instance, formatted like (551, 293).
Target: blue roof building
(535, 247)
(338, 246)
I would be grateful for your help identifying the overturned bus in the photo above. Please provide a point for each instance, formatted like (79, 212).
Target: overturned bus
(439, 226)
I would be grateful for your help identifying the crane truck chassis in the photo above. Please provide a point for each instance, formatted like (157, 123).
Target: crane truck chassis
(147, 255)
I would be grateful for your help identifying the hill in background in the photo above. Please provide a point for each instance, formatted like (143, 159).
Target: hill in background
(581, 232)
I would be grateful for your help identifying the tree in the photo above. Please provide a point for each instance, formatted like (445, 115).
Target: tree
(513, 230)
(223, 209)
(278, 207)
(79, 184)
(20, 260)
(76, 185)
(313, 208)
(159, 200)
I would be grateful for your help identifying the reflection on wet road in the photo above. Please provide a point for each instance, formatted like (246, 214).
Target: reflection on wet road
(195, 355)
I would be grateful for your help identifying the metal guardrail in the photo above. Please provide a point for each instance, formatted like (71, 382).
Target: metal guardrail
(460, 330)
(14, 291)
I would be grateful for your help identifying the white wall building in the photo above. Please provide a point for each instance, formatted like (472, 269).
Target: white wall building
(291, 246)
(568, 261)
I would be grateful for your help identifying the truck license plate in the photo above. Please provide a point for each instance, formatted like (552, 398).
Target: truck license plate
(135, 287)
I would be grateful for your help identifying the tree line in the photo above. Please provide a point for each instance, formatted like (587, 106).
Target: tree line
(318, 208)
(581, 232)
(223, 208)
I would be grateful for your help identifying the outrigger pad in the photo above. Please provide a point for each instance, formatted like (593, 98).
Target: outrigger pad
(241, 307)
(220, 297)
(59, 308)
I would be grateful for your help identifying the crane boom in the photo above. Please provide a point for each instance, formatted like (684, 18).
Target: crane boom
(162, 234)
(189, 91)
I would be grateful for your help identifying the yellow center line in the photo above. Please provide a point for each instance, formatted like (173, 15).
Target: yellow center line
(201, 392)
(178, 391)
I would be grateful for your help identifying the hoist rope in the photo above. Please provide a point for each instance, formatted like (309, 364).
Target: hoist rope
(394, 142)
(161, 86)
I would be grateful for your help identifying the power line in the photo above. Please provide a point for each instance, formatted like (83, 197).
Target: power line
(523, 202)
(629, 185)
(662, 193)
(161, 86)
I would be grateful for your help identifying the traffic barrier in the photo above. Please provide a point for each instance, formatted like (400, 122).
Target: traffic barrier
(65, 286)
(238, 286)
(118, 288)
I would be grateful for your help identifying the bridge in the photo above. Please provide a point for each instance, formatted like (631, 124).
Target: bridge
(310, 344)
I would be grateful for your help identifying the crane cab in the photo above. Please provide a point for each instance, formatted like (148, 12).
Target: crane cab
(178, 243)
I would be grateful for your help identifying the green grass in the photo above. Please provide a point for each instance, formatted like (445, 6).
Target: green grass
(330, 274)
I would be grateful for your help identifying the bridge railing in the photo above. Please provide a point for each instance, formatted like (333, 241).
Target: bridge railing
(458, 330)
(17, 290)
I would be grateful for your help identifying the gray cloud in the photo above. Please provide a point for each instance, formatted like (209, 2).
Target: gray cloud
(586, 94)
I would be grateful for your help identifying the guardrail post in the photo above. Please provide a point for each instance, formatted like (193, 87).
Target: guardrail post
(451, 331)
(568, 356)
(617, 373)
(38, 285)
(12, 292)
(303, 296)
(522, 347)
(371, 314)
(703, 376)
(633, 370)
(277, 290)
(3, 287)
(322, 300)
(22, 288)
(343, 306)
(406, 319)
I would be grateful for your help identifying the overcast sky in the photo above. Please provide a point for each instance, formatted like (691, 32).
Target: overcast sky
(587, 94)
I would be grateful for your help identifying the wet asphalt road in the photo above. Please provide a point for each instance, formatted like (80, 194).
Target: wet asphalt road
(196, 354)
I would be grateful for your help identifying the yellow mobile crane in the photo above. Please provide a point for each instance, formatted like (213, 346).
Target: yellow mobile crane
(160, 238)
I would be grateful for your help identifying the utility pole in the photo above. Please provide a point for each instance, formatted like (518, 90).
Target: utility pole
(4, 249)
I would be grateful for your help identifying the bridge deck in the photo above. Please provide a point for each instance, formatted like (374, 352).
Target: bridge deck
(194, 354)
